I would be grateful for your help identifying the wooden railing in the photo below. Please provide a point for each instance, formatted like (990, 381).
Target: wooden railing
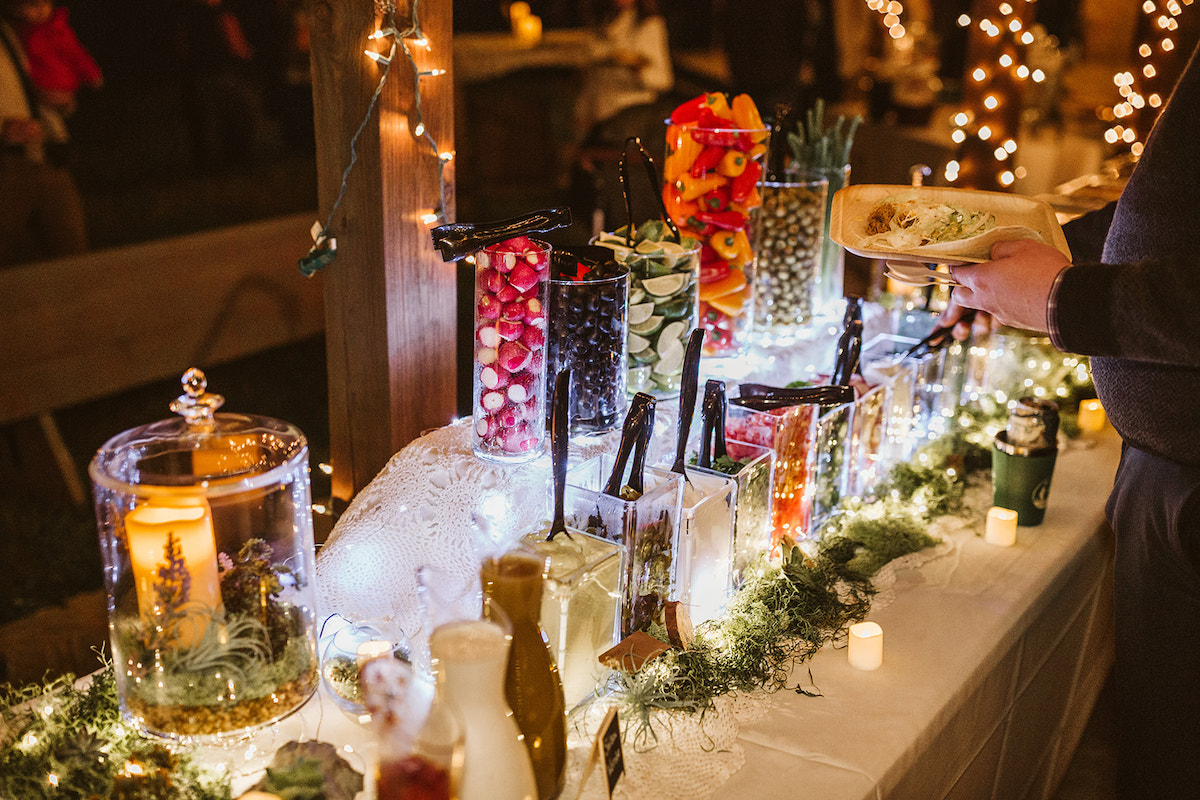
(79, 328)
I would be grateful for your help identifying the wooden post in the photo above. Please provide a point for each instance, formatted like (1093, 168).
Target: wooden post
(389, 299)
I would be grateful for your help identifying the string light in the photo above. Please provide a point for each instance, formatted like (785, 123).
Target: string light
(404, 41)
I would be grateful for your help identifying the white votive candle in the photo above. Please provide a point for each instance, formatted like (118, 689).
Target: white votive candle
(1092, 418)
(866, 646)
(1001, 527)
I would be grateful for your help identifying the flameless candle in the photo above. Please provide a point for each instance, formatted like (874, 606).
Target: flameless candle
(1092, 418)
(1001, 527)
(372, 649)
(865, 650)
(147, 529)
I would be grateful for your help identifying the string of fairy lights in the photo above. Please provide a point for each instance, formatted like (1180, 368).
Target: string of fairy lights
(406, 41)
(985, 126)
(1144, 91)
(891, 11)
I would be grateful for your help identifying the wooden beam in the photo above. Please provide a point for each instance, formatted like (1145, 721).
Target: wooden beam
(83, 327)
(389, 300)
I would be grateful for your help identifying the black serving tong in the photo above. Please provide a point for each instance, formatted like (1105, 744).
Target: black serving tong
(459, 239)
(638, 423)
(939, 337)
(712, 434)
(849, 348)
(761, 397)
(687, 399)
(560, 418)
(637, 469)
(655, 183)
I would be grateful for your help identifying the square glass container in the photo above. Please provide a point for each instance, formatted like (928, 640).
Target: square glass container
(648, 527)
(705, 556)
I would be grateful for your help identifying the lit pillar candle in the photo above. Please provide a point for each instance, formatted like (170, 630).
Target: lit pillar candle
(148, 528)
(1092, 418)
(865, 650)
(1001, 527)
(528, 29)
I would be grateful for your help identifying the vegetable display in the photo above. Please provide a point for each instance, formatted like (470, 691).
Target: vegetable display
(711, 176)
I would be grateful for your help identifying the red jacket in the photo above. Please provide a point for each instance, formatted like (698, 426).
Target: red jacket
(57, 61)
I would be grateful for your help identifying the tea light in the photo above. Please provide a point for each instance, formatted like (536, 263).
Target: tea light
(865, 650)
(148, 528)
(1001, 527)
(372, 648)
(1092, 418)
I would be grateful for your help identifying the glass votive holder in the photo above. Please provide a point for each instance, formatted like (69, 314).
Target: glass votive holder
(710, 197)
(663, 305)
(205, 527)
(789, 229)
(705, 554)
(345, 647)
(509, 410)
(647, 526)
(587, 331)
(579, 604)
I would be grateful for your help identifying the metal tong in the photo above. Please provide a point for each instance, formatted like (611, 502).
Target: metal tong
(939, 337)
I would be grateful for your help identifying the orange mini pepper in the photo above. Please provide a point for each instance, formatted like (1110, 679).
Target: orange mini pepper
(732, 164)
(691, 187)
(725, 244)
(744, 254)
(678, 208)
(746, 115)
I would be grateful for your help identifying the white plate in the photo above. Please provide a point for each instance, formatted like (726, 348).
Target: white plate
(853, 204)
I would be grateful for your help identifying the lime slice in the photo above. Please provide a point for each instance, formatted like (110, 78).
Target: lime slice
(650, 230)
(636, 296)
(640, 313)
(639, 378)
(638, 343)
(658, 266)
(678, 307)
(648, 327)
(643, 356)
(670, 357)
(665, 382)
(666, 285)
(671, 333)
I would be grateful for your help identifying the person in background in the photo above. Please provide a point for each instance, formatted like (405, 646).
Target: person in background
(58, 63)
(41, 215)
(631, 63)
(1131, 301)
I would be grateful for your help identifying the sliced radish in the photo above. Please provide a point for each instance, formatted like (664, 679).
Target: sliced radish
(510, 329)
(508, 293)
(532, 336)
(486, 355)
(492, 401)
(488, 337)
(489, 307)
(523, 277)
(533, 309)
(513, 356)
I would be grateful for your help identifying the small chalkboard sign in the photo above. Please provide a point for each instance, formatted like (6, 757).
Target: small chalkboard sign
(606, 749)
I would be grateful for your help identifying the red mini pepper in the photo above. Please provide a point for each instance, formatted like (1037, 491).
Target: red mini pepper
(726, 220)
(715, 200)
(741, 186)
(707, 160)
(689, 111)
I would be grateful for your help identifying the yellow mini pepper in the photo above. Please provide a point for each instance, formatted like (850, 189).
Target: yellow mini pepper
(732, 164)
(691, 187)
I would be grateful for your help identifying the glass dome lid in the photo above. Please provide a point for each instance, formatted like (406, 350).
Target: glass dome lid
(220, 453)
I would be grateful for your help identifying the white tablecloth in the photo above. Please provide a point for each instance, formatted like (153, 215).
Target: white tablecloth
(993, 658)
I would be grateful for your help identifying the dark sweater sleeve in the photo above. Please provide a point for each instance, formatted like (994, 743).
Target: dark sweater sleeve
(1086, 234)
(1146, 311)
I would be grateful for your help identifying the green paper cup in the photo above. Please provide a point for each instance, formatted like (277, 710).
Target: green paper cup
(1022, 482)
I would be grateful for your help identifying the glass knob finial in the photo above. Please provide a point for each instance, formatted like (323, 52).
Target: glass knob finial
(196, 404)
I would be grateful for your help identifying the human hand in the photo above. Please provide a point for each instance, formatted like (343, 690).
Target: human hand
(1013, 287)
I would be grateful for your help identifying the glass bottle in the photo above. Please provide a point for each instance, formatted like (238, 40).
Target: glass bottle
(470, 659)
(533, 687)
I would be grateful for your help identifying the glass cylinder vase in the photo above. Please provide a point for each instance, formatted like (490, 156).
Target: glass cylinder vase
(587, 333)
(831, 276)
(206, 531)
(789, 231)
(711, 177)
(511, 280)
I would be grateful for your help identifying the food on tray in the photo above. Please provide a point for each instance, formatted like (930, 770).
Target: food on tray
(907, 223)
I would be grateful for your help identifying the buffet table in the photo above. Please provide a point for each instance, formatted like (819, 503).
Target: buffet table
(993, 659)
